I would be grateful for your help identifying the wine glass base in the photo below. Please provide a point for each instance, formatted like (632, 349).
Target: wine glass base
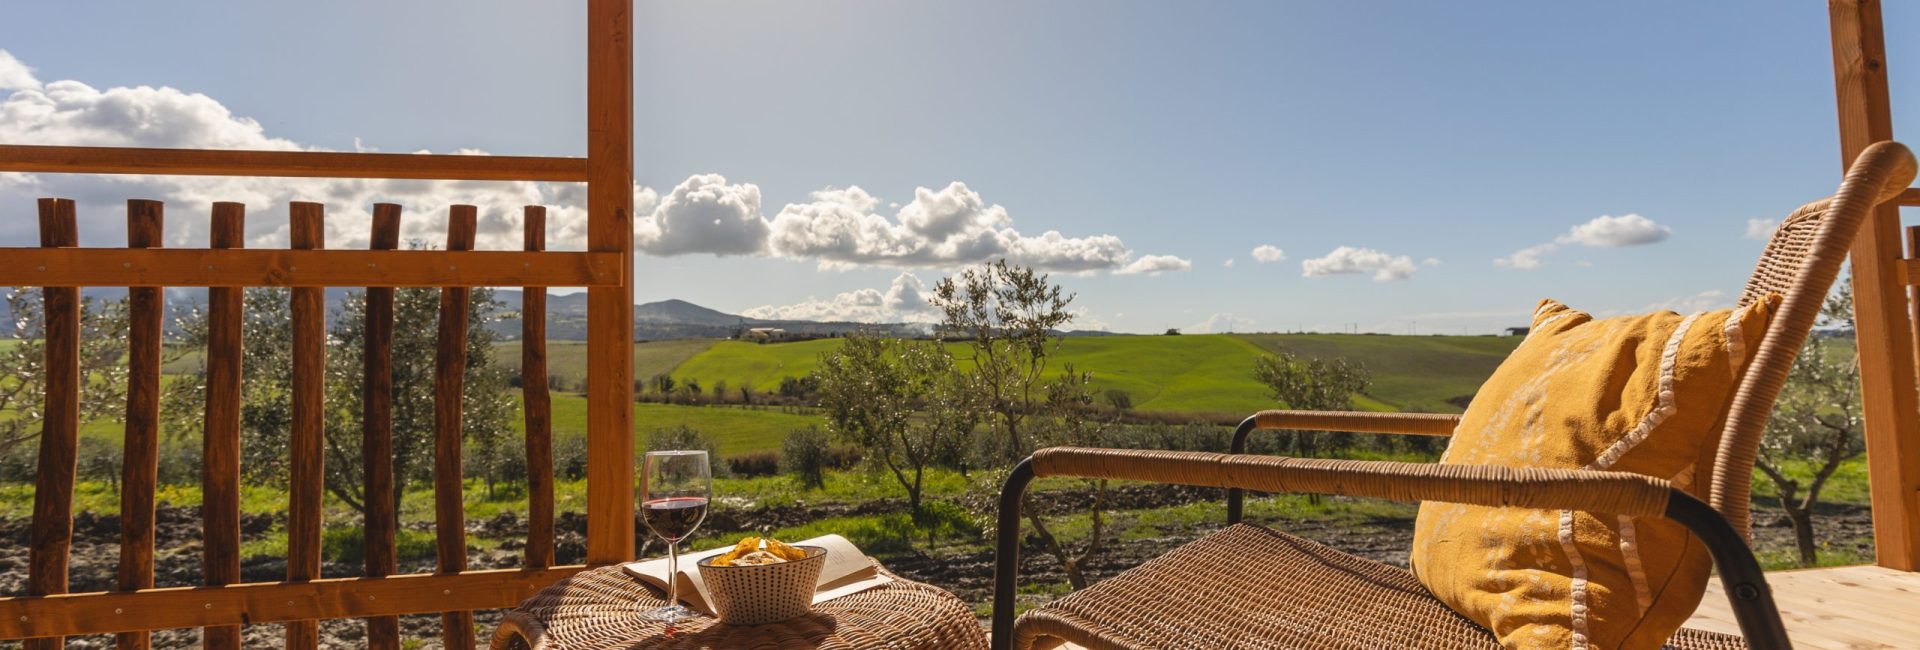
(668, 613)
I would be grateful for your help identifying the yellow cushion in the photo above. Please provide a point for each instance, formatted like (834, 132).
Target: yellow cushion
(1645, 394)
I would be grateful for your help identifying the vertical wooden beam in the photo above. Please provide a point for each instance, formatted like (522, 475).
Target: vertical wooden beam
(449, 384)
(1887, 380)
(1913, 291)
(140, 464)
(536, 403)
(306, 442)
(376, 430)
(220, 439)
(610, 524)
(52, 535)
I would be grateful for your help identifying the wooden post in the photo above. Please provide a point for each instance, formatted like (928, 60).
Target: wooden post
(307, 438)
(1887, 381)
(52, 534)
(376, 430)
(449, 384)
(140, 466)
(610, 524)
(220, 440)
(536, 403)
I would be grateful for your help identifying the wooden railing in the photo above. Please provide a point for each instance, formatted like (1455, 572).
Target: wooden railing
(305, 597)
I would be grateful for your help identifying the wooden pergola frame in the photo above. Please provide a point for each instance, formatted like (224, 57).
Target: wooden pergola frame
(1886, 292)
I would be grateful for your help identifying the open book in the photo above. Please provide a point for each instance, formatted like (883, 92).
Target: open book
(847, 571)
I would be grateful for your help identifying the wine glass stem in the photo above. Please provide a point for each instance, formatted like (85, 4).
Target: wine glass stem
(673, 574)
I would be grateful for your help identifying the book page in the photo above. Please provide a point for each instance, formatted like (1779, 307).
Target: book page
(846, 571)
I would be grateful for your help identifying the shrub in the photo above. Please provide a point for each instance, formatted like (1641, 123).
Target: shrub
(805, 455)
(1119, 399)
(570, 457)
(762, 463)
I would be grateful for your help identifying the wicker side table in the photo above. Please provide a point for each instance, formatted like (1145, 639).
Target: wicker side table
(600, 608)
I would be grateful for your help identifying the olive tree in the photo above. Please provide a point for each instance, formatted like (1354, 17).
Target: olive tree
(1816, 425)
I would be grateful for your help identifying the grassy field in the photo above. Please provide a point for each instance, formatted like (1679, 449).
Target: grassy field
(736, 429)
(1192, 374)
(568, 359)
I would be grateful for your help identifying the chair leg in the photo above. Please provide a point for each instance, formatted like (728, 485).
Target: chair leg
(1006, 556)
(1236, 497)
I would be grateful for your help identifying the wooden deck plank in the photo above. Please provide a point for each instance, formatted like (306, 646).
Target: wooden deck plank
(1838, 607)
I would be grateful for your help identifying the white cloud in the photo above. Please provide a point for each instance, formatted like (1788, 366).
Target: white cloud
(1349, 260)
(1431, 261)
(1268, 254)
(1761, 229)
(1155, 265)
(1703, 301)
(948, 227)
(1604, 231)
(1228, 263)
(904, 301)
(16, 75)
(1219, 324)
(705, 214)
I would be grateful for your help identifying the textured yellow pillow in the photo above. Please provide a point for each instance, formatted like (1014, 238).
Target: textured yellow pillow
(1645, 394)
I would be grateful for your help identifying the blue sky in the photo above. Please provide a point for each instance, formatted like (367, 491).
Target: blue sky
(1151, 135)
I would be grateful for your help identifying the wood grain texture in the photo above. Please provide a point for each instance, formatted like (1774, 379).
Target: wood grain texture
(220, 440)
(52, 529)
(186, 267)
(376, 430)
(449, 387)
(1837, 607)
(270, 602)
(302, 164)
(1887, 375)
(140, 465)
(610, 524)
(306, 451)
(1911, 197)
(537, 402)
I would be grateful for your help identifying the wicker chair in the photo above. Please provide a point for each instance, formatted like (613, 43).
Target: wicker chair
(1247, 586)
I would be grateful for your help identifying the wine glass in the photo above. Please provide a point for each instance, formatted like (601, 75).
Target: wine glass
(673, 502)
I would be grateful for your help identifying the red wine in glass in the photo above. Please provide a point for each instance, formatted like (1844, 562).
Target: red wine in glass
(674, 518)
(673, 501)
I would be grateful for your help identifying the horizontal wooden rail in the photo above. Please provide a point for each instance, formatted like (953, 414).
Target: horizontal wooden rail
(298, 164)
(270, 602)
(182, 267)
(1910, 197)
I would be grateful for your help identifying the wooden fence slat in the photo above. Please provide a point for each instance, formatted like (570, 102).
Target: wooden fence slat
(376, 429)
(52, 534)
(610, 523)
(306, 441)
(301, 164)
(140, 464)
(220, 441)
(537, 403)
(271, 602)
(186, 267)
(449, 385)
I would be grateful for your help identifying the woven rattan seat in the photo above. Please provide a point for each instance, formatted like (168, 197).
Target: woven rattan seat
(600, 608)
(1250, 587)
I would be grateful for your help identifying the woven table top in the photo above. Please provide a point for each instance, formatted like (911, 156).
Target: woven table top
(600, 608)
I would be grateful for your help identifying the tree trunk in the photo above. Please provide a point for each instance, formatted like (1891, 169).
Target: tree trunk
(1802, 519)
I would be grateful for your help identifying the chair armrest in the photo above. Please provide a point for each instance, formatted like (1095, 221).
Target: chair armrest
(1621, 493)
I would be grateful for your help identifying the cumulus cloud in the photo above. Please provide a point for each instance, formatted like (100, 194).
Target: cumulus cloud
(1687, 304)
(1228, 263)
(904, 301)
(704, 214)
(1761, 229)
(947, 227)
(16, 75)
(1155, 265)
(1604, 231)
(1350, 260)
(1267, 254)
